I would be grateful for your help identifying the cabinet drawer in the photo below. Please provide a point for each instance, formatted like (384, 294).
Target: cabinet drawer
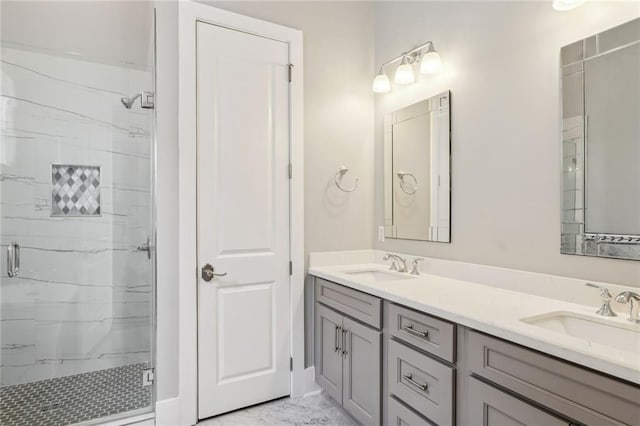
(399, 415)
(428, 333)
(356, 304)
(489, 406)
(580, 394)
(423, 383)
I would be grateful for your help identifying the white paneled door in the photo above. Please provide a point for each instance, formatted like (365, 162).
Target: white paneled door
(242, 219)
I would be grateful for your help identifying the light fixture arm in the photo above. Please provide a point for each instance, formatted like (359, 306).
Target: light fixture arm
(425, 53)
(412, 54)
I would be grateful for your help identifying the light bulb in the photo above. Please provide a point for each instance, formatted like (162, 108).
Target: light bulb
(564, 5)
(431, 62)
(404, 73)
(381, 83)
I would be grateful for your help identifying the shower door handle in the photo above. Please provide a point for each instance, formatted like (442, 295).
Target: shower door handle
(13, 259)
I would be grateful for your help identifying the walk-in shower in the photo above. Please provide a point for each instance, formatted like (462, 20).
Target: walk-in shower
(76, 212)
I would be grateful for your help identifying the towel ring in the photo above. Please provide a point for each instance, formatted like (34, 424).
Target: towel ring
(338, 180)
(401, 176)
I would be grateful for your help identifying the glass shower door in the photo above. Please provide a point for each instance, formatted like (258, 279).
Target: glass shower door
(76, 220)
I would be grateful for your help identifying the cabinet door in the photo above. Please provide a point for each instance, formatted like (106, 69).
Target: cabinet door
(328, 355)
(362, 349)
(489, 406)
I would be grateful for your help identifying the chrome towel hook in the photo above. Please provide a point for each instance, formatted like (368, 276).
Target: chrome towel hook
(401, 176)
(338, 180)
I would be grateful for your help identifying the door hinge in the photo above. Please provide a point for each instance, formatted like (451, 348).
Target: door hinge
(290, 363)
(148, 376)
(290, 268)
(290, 170)
(290, 66)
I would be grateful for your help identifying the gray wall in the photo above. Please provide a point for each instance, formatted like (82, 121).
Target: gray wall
(501, 62)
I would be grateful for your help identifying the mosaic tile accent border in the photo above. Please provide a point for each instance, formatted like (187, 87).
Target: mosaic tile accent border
(73, 399)
(75, 190)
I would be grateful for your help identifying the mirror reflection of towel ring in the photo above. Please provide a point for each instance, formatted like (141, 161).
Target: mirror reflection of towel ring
(338, 180)
(401, 178)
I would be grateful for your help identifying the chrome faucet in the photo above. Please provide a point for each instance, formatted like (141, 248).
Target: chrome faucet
(397, 263)
(605, 310)
(634, 308)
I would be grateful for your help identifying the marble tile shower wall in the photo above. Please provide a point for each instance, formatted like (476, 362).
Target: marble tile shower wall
(83, 299)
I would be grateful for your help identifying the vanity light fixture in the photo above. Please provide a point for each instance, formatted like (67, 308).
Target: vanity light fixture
(404, 73)
(430, 63)
(565, 5)
(381, 83)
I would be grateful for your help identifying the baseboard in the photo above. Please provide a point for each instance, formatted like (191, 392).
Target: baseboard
(168, 412)
(310, 385)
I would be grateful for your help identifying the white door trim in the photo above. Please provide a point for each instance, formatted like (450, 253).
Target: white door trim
(189, 13)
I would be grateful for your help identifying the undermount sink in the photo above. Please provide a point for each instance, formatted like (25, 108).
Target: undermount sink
(624, 337)
(376, 275)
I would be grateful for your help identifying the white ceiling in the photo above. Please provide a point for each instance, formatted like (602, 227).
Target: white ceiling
(114, 32)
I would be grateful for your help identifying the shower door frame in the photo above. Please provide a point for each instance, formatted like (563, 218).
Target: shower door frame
(189, 14)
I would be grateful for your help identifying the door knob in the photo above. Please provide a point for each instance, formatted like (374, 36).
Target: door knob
(208, 272)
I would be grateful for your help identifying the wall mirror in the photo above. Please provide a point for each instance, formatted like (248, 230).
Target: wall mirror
(417, 171)
(600, 81)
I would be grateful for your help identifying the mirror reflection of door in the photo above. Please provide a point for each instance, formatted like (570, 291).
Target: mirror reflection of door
(417, 165)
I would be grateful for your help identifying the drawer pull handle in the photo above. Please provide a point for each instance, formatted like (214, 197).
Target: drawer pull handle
(336, 341)
(409, 329)
(409, 378)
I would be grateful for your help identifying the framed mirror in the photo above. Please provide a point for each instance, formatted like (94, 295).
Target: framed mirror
(417, 192)
(600, 85)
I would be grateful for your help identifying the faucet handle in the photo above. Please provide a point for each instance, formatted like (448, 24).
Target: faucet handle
(389, 256)
(414, 268)
(604, 292)
(605, 310)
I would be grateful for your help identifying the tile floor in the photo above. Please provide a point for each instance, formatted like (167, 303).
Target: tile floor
(313, 410)
(74, 399)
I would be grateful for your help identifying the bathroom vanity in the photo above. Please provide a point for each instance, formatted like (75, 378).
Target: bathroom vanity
(397, 349)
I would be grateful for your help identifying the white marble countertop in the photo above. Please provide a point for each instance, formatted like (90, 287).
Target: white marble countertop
(495, 311)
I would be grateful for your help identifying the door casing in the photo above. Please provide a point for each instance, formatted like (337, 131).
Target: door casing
(189, 14)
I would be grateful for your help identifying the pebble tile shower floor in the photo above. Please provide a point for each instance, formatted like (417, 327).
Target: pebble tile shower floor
(74, 399)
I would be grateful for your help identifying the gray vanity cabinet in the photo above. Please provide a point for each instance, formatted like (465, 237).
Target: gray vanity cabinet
(441, 373)
(347, 362)
(489, 406)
